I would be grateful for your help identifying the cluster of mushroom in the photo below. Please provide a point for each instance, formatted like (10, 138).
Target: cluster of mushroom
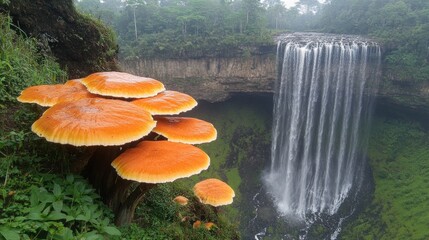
(211, 191)
(115, 108)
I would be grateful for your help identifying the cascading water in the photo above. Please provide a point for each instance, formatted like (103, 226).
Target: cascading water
(321, 113)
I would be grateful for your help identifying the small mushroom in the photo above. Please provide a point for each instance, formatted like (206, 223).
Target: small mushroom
(197, 224)
(122, 85)
(209, 225)
(167, 103)
(185, 130)
(181, 200)
(214, 192)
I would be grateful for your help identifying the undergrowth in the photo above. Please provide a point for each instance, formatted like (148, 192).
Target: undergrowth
(399, 154)
(20, 64)
(47, 206)
(35, 204)
(158, 217)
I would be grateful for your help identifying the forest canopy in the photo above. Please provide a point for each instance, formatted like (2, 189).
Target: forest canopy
(402, 26)
(190, 28)
(207, 28)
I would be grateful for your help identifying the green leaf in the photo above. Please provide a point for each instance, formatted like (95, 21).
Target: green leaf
(35, 216)
(3, 193)
(111, 231)
(81, 217)
(56, 216)
(57, 190)
(9, 234)
(36, 209)
(34, 198)
(69, 218)
(46, 211)
(91, 235)
(58, 205)
(70, 178)
(65, 234)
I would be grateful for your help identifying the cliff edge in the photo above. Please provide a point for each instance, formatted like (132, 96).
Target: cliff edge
(81, 45)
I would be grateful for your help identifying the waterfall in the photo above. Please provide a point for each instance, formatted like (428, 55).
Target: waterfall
(322, 107)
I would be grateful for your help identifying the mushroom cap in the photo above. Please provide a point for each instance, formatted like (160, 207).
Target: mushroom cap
(214, 192)
(49, 95)
(209, 225)
(167, 103)
(185, 130)
(94, 121)
(181, 200)
(197, 224)
(122, 85)
(75, 82)
(160, 162)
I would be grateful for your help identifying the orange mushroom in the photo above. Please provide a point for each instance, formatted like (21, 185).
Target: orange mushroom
(181, 200)
(160, 162)
(49, 95)
(185, 130)
(167, 103)
(209, 225)
(122, 85)
(197, 224)
(75, 82)
(214, 192)
(94, 121)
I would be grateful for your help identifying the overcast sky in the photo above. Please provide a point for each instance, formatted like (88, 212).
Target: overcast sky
(289, 3)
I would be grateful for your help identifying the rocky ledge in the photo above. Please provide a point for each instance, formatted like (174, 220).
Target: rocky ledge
(216, 79)
(210, 79)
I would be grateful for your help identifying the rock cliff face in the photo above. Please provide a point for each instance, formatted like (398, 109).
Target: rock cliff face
(404, 94)
(216, 79)
(211, 79)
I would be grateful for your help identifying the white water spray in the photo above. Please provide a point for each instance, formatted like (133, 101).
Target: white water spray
(321, 109)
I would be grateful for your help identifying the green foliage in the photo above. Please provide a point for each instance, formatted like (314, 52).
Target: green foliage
(35, 205)
(398, 155)
(20, 64)
(239, 146)
(183, 29)
(51, 207)
(158, 217)
(402, 26)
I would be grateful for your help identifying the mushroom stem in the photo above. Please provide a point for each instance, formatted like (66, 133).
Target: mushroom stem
(125, 213)
(99, 172)
(119, 194)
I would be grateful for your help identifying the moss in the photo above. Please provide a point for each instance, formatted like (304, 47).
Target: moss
(244, 126)
(399, 154)
(158, 217)
(82, 45)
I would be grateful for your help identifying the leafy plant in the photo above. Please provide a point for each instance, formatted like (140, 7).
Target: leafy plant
(55, 208)
(20, 64)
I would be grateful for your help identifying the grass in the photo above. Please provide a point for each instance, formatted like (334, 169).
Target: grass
(399, 157)
(20, 63)
(242, 124)
(158, 217)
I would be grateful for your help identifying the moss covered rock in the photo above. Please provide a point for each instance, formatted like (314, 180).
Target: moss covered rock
(80, 44)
